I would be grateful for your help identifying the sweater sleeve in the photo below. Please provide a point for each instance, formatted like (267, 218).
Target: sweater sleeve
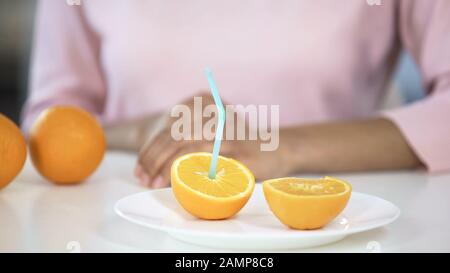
(425, 32)
(65, 65)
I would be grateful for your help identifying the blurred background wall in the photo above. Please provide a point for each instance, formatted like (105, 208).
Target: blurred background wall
(16, 23)
(16, 27)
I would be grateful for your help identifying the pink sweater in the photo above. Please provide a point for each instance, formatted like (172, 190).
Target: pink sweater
(319, 60)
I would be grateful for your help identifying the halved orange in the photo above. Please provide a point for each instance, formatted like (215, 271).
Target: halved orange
(306, 203)
(205, 198)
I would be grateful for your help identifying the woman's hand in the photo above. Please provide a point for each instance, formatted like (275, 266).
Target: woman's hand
(157, 155)
(374, 144)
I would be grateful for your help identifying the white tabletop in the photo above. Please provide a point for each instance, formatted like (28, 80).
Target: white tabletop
(36, 216)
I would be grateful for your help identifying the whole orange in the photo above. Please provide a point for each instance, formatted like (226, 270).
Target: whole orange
(13, 151)
(67, 144)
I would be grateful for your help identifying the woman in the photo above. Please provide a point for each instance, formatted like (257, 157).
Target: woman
(325, 63)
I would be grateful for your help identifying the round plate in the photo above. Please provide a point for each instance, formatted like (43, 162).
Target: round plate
(254, 227)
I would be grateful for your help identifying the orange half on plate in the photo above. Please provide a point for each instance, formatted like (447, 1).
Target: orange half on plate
(306, 203)
(218, 198)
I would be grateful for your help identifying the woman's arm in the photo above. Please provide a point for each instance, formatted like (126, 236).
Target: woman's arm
(65, 61)
(346, 146)
(132, 135)
(329, 147)
(424, 27)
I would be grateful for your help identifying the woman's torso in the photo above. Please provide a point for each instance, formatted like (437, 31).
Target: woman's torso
(319, 60)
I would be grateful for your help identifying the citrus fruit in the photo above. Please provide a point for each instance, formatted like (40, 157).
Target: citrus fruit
(13, 151)
(66, 144)
(205, 198)
(306, 203)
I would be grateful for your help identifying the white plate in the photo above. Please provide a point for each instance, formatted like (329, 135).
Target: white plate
(254, 227)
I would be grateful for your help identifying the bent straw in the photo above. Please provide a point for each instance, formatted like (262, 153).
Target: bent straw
(221, 124)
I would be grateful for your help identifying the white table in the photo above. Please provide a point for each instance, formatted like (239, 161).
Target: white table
(36, 216)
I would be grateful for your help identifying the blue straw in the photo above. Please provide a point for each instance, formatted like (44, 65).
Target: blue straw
(219, 130)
